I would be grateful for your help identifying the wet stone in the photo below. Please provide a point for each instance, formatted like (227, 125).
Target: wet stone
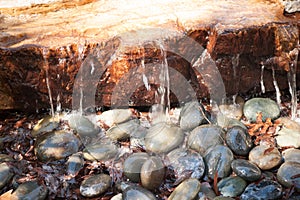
(187, 190)
(5, 174)
(226, 122)
(266, 106)
(5, 158)
(162, 138)
(136, 192)
(223, 198)
(115, 116)
(218, 160)
(289, 134)
(265, 157)
(152, 173)
(232, 186)
(56, 145)
(74, 164)
(30, 190)
(124, 130)
(101, 151)
(192, 115)
(117, 197)
(95, 185)
(292, 155)
(206, 192)
(264, 190)
(204, 137)
(133, 164)
(288, 175)
(184, 161)
(82, 125)
(234, 111)
(238, 140)
(47, 124)
(246, 170)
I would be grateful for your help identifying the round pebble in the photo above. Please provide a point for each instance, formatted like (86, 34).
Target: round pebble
(292, 155)
(266, 106)
(95, 185)
(115, 116)
(206, 192)
(5, 174)
(152, 173)
(184, 162)
(232, 186)
(56, 145)
(162, 138)
(246, 170)
(136, 192)
(133, 165)
(187, 190)
(238, 140)
(83, 126)
(204, 137)
(265, 157)
(218, 160)
(124, 130)
(47, 124)
(74, 163)
(30, 190)
(288, 174)
(264, 190)
(191, 116)
(100, 151)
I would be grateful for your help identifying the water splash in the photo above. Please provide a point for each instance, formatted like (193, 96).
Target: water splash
(278, 94)
(262, 79)
(46, 68)
(291, 75)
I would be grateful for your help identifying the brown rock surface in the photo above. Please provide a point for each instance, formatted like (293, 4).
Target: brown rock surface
(118, 36)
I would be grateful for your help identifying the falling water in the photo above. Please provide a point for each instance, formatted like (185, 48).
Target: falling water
(262, 79)
(164, 88)
(235, 63)
(80, 58)
(278, 94)
(292, 81)
(46, 68)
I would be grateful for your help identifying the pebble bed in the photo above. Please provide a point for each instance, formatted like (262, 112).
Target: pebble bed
(246, 150)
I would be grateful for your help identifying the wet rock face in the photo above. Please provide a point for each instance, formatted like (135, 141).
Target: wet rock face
(238, 47)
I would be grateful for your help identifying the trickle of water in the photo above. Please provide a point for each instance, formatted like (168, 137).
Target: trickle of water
(235, 60)
(262, 79)
(291, 75)
(46, 68)
(278, 94)
(164, 78)
(145, 79)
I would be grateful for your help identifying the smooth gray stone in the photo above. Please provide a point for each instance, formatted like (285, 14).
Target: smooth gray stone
(56, 145)
(191, 116)
(115, 116)
(232, 186)
(238, 140)
(264, 158)
(47, 124)
(186, 162)
(266, 106)
(95, 185)
(74, 164)
(30, 190)
(246, 170)
(204, 137)
(124, 130)
(5, 174)
(100, 151)
(152, 173)
(292, 155)
(187, 190)
(163, 138)
(206, 192)
(288, 175)
(136, 192)
(218, 160)
(133, 165)
(264, 190)
(83, 126)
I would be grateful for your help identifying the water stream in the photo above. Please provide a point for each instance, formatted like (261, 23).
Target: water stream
(277, 90)
(291, 75)
(46, 68)
(262, 79)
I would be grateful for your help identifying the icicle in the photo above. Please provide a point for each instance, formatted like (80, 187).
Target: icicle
(278, 94)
